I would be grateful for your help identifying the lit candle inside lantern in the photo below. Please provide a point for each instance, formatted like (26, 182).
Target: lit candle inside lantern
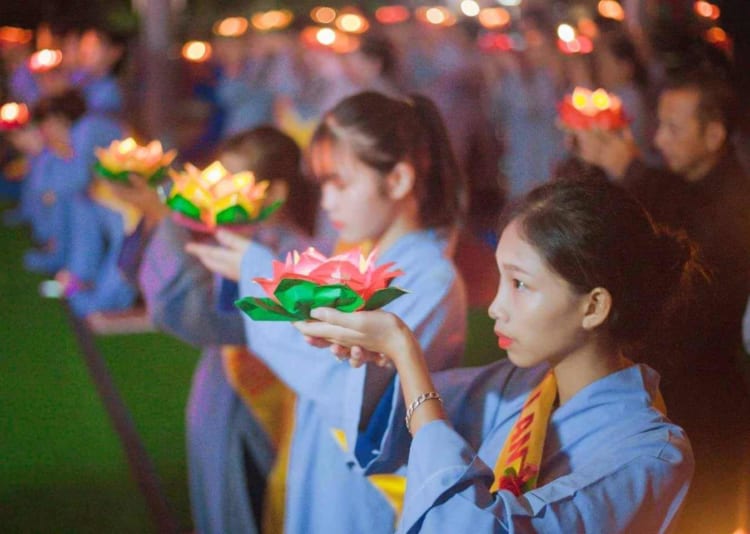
(586, 109)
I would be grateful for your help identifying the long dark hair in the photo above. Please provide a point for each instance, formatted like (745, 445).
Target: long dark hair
(595, 234)
(383, 131)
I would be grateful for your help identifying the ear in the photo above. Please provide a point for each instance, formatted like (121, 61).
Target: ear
(715, 135)
(400, 181)
(597, 305)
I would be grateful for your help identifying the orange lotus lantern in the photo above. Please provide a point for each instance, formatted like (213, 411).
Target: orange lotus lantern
(347, 282)
(13, 115)
(126, 156)
(211, 197)
(584, 109)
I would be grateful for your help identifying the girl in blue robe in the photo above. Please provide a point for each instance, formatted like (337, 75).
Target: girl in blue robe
(71, 135)
(389, 177)
(229, 451)
(578, 261)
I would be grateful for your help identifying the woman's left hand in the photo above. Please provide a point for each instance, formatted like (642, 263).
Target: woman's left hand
(224, 259)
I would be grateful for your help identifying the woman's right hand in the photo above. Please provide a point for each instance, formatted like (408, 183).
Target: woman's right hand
(363, 337)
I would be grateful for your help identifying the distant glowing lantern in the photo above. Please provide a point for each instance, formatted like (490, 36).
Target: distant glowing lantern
(45, 60)
(391, 14)
(231, 27)
(470, 8)
(126, 156)
(196, 51)
(323, 15)
(13, 115)
(494, 17)
(611, 9)
(566, 32)
(13, 35)
(707, 10)
(275, 19)
(352, 23)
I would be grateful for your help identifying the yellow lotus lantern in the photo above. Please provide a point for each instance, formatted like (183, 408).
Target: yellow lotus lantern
(127, 156)
(584, 109)
(205, 199)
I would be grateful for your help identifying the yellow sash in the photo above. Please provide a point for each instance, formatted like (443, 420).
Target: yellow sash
(517, 467)
(101, 193)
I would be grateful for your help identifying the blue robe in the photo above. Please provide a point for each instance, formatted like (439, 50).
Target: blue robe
(65, 178)
(324, 493)
(611, 462)
(226, 445)
(97, 236)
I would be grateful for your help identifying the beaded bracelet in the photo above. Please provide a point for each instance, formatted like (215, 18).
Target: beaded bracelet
(416, 403)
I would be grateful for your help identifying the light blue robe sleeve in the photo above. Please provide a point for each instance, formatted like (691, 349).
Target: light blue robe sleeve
(434, 308)
(638, 489)
(180, 293)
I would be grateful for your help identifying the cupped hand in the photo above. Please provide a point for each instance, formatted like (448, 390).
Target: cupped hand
(225, 258)
(371, 336)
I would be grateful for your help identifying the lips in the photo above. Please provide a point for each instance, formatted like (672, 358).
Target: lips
(503, 341)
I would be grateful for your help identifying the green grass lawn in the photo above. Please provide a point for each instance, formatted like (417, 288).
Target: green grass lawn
(62, 468)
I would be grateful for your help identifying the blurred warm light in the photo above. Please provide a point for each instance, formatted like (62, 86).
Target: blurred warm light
(491, 42)
(352, 23)
(494, 17)
(716, 36)
(437, 15)
(13, 35)
(588, 27)
(470, 8)
(14, 114)
(741, 531)
(510, 3)
(44, 37)
(231, 27)
(611, 9)
(275, 19)
(566, 33)
(196, 51)
(45, 60)
(323, 15)
(326, 36)
(579, 45)
(707, 9)
(391, 14)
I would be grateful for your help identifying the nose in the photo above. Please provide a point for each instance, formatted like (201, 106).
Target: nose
(327, 197)
(498, 310)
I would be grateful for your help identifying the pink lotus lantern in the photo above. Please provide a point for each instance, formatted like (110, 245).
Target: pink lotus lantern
(348, 282)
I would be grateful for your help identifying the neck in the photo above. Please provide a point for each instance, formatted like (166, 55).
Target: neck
(405, 223)
(577, 371)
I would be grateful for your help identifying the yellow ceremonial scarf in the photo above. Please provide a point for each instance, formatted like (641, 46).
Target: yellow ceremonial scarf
(102, 193)
(517, 467)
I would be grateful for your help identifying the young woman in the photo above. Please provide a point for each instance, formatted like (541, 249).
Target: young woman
(576, 432)
(230, 449)
(388, 177)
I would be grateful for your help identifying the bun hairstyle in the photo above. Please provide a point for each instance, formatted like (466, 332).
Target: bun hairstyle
(595, 234)
(383, 131)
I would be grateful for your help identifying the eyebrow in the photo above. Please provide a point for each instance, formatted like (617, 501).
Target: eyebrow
(514, 268)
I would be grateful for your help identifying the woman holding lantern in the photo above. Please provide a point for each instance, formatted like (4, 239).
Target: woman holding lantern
(389, 177)
(230, 447)
(576, 432)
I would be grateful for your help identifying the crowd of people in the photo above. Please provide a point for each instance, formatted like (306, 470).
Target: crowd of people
(621, 401)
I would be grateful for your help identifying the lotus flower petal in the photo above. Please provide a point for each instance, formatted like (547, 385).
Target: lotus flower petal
(220, 197)
(347, 282)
